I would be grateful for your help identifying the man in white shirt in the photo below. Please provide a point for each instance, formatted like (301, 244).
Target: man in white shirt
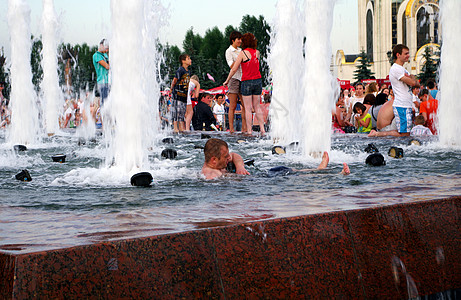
(234, 84)
(402, 83)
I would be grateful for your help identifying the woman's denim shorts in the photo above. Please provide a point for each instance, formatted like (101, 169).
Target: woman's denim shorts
(251, 87)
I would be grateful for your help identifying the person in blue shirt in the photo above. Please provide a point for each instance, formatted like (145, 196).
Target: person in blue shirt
(101, 65)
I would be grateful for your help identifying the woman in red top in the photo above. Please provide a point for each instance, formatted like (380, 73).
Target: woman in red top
(251, 84)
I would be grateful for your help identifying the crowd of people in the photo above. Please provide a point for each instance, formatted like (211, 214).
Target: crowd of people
(400, 109)
(240, 103)
(404, 108)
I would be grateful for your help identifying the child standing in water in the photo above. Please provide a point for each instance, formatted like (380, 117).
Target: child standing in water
(363, 118)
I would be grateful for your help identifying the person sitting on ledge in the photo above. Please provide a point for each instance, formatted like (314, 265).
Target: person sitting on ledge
(386, 122)
(217, 156)
(203, 116)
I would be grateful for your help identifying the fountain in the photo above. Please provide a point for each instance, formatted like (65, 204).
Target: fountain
(320, 86)
(301, 108)
(52, 95)
(383, 232)
(286, 51)
(24, 112)
(449, 109)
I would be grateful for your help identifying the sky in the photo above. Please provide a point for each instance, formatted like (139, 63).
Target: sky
(89, 20)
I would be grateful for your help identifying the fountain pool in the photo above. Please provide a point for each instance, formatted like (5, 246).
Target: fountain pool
(82, 202)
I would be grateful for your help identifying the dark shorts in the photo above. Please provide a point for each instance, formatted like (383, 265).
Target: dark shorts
(103, 91)
(279, 171)
(251, 87)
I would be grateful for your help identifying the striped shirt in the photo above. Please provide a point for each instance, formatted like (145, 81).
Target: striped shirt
(420, 130)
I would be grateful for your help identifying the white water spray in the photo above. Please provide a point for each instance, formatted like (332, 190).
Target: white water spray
(450, 68)
(132, 104)
(320, 87)
(24, 112)
(52, 95)
(286, 57)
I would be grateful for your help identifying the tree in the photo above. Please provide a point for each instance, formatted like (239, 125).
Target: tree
(192, 43)
(83, 75)
(35, 62)
(363, 71)
(169, 64)
(212, 43)
(429, 69)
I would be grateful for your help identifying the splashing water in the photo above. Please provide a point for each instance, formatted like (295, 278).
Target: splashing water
(320, 88)
(24, 112)
(450, 68)
(130, 110)
(52, 94)
(286, 53)
(302, 97)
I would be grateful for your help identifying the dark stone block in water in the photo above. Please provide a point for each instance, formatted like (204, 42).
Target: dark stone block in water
(375, 159)
(24, 175)
(396, 152)
(143, 179)
(371, 148)
(60, 158)
(169, 153)
(168, 140)
(278, 150)
(293, 144)
(205, 136)
(249, 162)
(199, 147)
(19, 148)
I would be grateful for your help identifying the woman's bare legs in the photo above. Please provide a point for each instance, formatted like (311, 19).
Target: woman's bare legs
(232, 106)
(259, 113)
(247, 102)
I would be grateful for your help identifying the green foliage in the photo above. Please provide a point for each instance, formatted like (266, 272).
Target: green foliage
(429, 69)
(169, 64)
(35, 62)
(4, 75)
(213, 43)
(207, 54)
(84, 74)
(363, 71)
(192, 43)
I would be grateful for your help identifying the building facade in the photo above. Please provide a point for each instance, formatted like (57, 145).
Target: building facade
(386, 23)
